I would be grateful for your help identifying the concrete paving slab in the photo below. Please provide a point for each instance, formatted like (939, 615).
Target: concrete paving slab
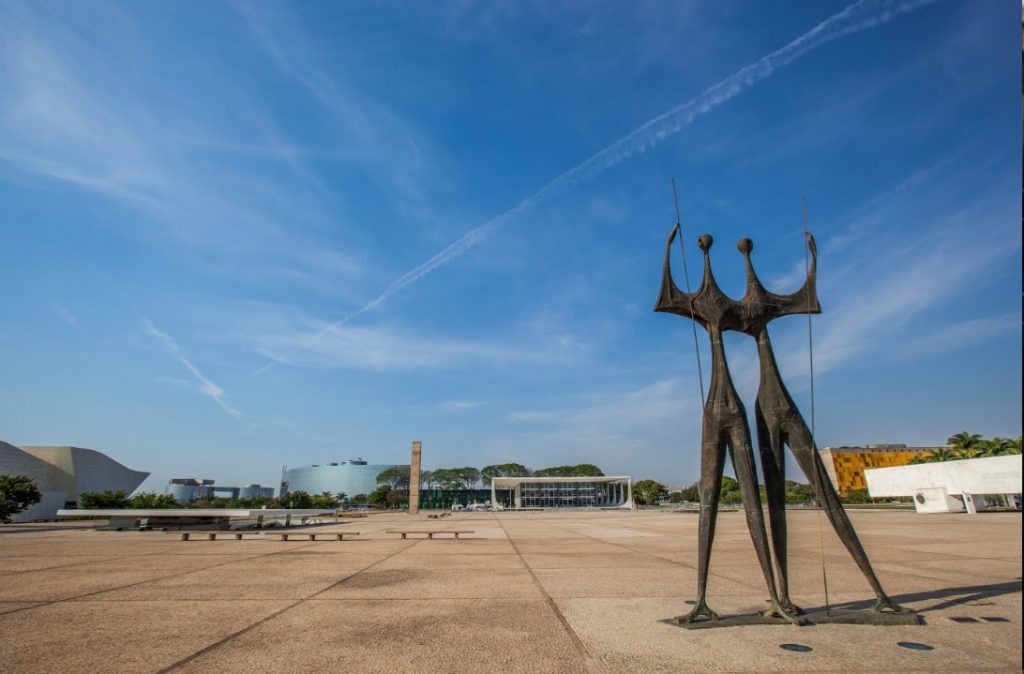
(591, 562)
(55, 584)
(465, 560)
(317, 561)
(624, 635)
(617, 559)
(472, 546)
(437, 584)
(8, 606)
(123, 637)
(223, 583)
(620, 582)
(32, 563)
(445, 635)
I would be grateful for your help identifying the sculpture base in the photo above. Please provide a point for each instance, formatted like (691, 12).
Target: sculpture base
(807, 619)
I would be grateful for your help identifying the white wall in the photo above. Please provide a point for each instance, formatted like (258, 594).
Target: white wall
(991, 475)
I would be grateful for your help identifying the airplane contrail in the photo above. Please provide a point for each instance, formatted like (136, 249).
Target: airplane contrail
(852, 19)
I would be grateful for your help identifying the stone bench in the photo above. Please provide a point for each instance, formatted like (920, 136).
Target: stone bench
(237, 535)
(311, 536)
(211, 535)
(430, 534)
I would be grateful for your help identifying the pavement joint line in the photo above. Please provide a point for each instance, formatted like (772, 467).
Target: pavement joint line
(217, 644)
(589, 661)
(60, 567)
(122, 587)
(666, 559)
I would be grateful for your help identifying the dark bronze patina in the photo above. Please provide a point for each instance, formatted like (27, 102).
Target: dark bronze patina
(779, 423)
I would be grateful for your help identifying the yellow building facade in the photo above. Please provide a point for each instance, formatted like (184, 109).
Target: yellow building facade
(846, 465)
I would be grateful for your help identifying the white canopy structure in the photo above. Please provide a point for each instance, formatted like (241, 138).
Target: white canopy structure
(948, 486)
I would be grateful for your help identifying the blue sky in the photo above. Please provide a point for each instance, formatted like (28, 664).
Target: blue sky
(243, 235)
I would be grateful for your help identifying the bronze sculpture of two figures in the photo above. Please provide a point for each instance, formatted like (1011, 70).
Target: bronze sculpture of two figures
(778, 423)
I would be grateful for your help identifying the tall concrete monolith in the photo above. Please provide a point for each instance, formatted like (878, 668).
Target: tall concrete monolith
(414, 477)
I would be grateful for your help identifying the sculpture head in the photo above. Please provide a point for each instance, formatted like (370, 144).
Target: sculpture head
(745, 245)
(705, 242)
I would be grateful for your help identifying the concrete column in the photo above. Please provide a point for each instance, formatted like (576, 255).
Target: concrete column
(629, 495)
(494, 496)
(414, 477)
(518, 497)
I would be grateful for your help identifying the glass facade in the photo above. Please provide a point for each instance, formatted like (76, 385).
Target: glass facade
(349, 477)
(560, 494)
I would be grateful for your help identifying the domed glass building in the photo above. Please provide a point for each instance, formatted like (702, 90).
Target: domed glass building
(351, 477)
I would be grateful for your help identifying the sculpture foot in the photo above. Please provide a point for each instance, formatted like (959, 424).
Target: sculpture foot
(886, 605)
(787, 612)
(700, 613)
(790, 607)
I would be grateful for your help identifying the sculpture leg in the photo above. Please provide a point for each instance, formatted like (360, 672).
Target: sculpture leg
(712, 462)
(742, 454)
(810, 463)
(774, 468)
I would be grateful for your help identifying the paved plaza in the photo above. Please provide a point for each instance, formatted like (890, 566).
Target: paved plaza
(580, 591)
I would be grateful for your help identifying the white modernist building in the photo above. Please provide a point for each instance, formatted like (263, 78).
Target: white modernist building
(63, 473)
(948, 486)
(218, 518)
(566, 492)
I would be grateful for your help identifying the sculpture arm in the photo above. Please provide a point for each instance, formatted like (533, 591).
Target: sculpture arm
(805, 300)
(670, 298)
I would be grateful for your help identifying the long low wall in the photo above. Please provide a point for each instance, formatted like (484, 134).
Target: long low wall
(991, 475)
(948, 486)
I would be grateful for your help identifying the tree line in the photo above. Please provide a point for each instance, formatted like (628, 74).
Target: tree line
(393, 483)
(964, 445)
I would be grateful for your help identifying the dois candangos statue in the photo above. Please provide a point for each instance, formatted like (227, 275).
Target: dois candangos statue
(778, 423)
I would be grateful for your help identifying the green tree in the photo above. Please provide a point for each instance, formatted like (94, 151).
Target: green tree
(360, 499)
(1000, 446)
(447, 478)
(397, 499)
(149, 500)
(456, 478)
(797, 492)
(91, 500)
(17, 493)
(962, 441)
(942, 454)
(469, 476)
(649, 492)
(396, 477)
(378, 498)
(857, 496)
(487, 473)
(689, 494)
(730, 491)
(324, 500)
(579, 470)
(296, 499)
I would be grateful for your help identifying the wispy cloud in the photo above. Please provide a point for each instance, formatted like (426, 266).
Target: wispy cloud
(68, 120)
(962, 334)
(854, 18)
(631, 430)
(876, 303)
(64, 314)
(281, 333)
(203, 384)
(460, 405)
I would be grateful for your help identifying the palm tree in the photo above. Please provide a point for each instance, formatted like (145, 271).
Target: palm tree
(964, 440)
(943, 454)
(973, 452)
(998, 446)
